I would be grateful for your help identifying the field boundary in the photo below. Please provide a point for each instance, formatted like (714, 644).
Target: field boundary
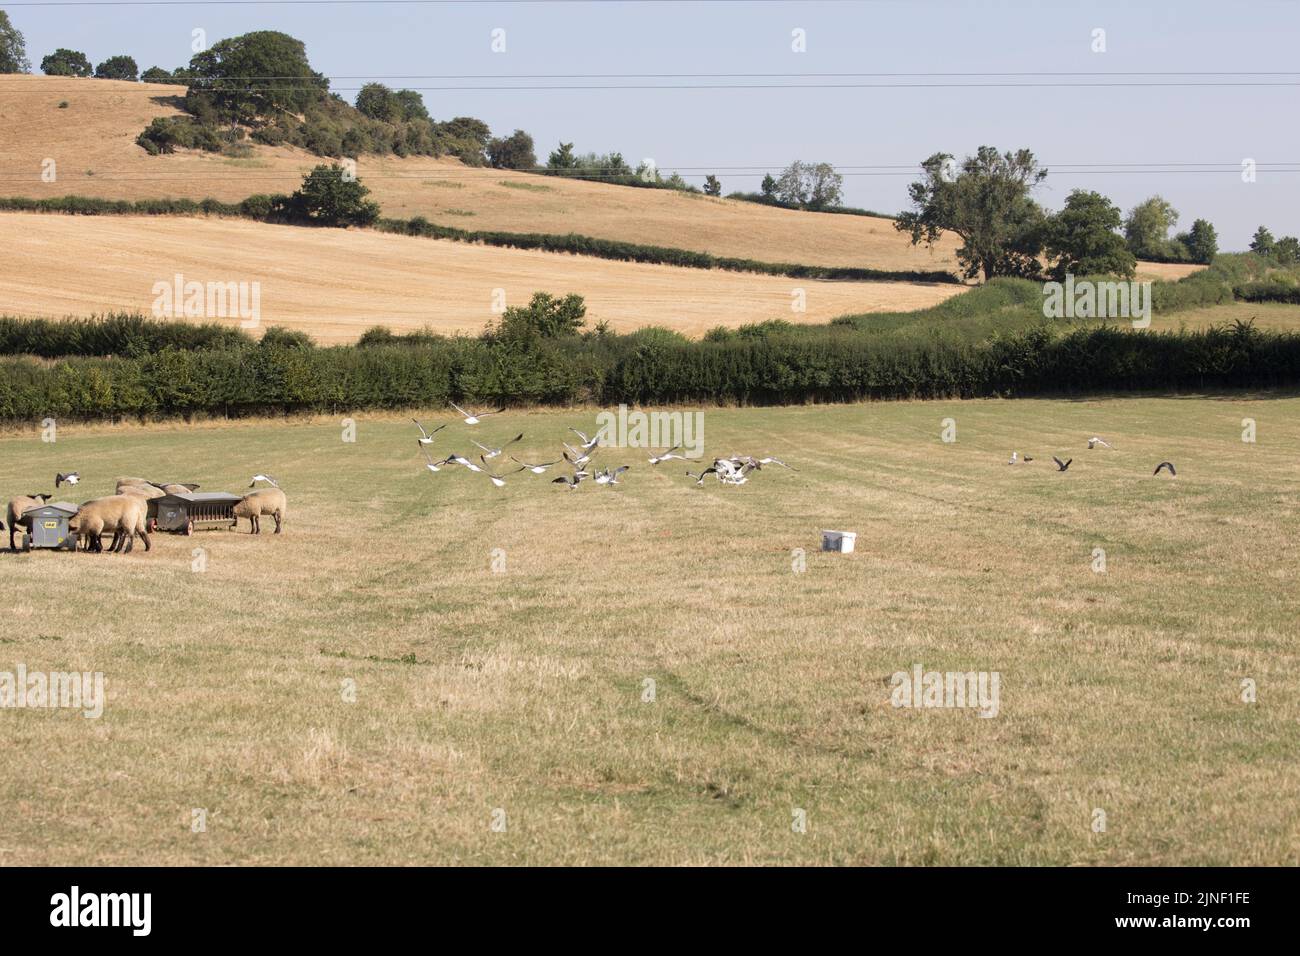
(257, 209)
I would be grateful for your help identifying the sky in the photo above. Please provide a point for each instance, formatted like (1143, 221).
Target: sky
(738, 133)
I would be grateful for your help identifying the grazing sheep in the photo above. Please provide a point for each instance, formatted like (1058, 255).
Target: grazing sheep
(124, 515)
(266, 501)
(142, 489)
(15, 513)
(172, 488)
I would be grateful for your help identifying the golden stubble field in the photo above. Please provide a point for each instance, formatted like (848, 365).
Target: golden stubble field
(336, 283)
(92, 141)
(367, 689)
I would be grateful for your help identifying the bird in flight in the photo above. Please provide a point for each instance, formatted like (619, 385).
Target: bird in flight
(70, 478)
(587, 443)
(493, 452)
(1062, 465)
(1095, 441)
(432, 465)
(472, 418)
(261, 477)
(454, 459)
(667, 456)
(1173, 472)
(427, 437)
(571, 483)
(537, 468)
(610, 477)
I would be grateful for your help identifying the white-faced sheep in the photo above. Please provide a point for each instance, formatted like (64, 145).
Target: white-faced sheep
(124, 515)
(15, 513)
(265, 501)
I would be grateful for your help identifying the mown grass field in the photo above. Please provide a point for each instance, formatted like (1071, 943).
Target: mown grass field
(522, 690)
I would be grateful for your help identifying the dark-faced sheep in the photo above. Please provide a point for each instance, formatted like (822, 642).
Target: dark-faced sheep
(266, 501)
(124, 515)
(15, 513)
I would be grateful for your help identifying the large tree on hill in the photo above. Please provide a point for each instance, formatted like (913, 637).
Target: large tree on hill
(330, 197)
(512, 152)
(810, 185)
(1202, 241)
(66, 63)
(986, 201)
(1263, 242)
(413, 107)
(117, 68)
(257, 75)
(378, 102)
(1083, 238)
(13, 49)
(1146, 228)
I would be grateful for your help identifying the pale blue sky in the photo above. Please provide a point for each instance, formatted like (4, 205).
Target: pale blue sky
(714, 129)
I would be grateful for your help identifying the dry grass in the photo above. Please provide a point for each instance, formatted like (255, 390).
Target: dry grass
(336, 283)
(94, 142)
(522, 690)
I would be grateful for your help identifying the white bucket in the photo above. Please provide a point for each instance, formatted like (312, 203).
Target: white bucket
(841, 541)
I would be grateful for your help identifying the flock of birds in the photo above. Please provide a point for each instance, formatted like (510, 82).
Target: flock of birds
(1093, 442)
(577, 458)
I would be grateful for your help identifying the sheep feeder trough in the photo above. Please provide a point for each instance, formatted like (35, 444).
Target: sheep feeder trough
(48, 526)
(197, 511)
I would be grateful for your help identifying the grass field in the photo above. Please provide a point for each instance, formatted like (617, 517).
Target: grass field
(335, 283)
(522, 690)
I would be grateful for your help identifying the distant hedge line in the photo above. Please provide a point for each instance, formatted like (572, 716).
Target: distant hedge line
(264, 209)
(645, 369)
(114, 334)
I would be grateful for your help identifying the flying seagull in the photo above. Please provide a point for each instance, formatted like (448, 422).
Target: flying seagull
(1062, 465)
(667, 456)
(573, 482)
(472, 418)
(432, 465)
(261, 477)
(699, 479)
(1094, 441)
(538, 468)
(493, 452)
(608, 477)
(454, 459)
(500, 480)
(587, 443)
(70, 478)
(427, 437)
(579, 458)
(1166, 464)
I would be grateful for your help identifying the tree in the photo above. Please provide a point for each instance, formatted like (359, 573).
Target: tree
(117, 68)
(544, 317)
(1083, 238)
(331, 197)
(66, 63)
(768, 186)
(1202, 241)
(1146, 229)
(512, 152)
(13, 48)
(378, 102)
(712, 187)
(562, 158)
(413, 107)
(259, 74)
(987, 203)
(1287, 250)
(1263, 242)
(156, 74)
(811, 186)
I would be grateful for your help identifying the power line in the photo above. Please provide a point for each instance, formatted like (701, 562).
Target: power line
(571, 88)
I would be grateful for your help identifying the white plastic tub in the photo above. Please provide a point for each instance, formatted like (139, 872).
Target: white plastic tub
(841, 541)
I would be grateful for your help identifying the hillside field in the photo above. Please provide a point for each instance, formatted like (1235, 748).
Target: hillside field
(336, 283)
(519, 695)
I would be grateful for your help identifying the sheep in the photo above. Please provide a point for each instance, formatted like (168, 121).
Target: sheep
(15, 513)
(172, 488)
(265, 501)
(122, 514)
(138, 487)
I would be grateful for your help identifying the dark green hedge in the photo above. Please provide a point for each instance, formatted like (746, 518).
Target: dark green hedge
(114, 334)
(839, 365)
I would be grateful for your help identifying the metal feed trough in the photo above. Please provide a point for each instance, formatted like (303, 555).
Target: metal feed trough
(48, 526)
(187, 513)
